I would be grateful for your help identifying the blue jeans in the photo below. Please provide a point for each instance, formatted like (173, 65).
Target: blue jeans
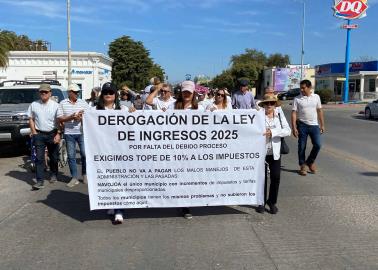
(304, 131)
(71, 141)
(41, 141)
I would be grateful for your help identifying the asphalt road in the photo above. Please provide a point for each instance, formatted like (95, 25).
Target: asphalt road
(325, 221)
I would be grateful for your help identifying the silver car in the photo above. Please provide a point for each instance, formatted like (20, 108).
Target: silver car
(371, 110)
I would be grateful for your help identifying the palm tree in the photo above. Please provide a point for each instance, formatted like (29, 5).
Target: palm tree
(6, 44)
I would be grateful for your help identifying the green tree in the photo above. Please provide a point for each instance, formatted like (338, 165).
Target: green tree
(157, 71)
(278, 60)
(132, 62)
(225, 79)
(6, 44)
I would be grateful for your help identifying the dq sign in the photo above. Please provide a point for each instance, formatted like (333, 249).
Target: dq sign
(350, 9)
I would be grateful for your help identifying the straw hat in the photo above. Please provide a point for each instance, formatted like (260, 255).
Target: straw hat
(269, 98)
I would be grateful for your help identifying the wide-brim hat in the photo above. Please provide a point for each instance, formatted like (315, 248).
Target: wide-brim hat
(270, 98)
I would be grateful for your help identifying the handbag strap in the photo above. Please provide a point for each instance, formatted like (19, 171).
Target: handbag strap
(279, 117)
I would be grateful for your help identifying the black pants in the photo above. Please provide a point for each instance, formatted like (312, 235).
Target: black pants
(275, 176)
(41, 141)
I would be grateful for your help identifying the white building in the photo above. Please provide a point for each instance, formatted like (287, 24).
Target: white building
(89, 69)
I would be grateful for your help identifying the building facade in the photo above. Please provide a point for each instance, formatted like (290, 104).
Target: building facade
(88, 69)
(363, 79)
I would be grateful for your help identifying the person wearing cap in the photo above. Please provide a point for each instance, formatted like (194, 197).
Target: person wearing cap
(277, 127)
(307, 120)
(243, 99)
(186, 99)
(45, 132)
(108, 100)
(70, 114)
(164, 100)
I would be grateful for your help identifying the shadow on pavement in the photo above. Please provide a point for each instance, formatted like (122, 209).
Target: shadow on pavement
(373, 174)
(362, 117)
(289, 170)
(28, 176)
(76, 205)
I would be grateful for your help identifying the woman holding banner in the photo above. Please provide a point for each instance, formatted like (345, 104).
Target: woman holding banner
(108, 100)
(186, 100)
(276, 128)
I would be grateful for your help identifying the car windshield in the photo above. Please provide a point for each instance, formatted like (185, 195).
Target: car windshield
(17, 96)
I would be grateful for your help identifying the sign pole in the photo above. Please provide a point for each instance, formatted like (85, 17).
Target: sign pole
(347, 60)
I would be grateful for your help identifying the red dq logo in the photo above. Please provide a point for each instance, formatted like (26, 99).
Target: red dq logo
(350, 9)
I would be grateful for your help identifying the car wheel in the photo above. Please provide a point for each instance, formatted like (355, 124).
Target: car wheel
(367, 113)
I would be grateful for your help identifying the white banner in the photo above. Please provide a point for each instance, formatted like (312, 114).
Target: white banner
(174, 159)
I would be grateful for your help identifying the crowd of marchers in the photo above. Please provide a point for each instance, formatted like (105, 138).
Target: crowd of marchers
(50, 122)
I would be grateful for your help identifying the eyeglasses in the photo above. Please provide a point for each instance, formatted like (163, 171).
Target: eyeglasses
(108, 93)
(74, 92)
(270, 103)
(220, 95)
(44, 92)
(164, 91)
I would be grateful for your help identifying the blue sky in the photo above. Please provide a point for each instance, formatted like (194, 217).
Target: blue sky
(195, 36)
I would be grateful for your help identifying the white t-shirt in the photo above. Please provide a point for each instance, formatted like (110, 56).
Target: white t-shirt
(159, 104)
(210, 106)
(44, 115)
(306, 108)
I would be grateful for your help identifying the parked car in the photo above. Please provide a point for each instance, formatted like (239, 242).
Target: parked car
(14, 103)
(371, 110)
(291, 94)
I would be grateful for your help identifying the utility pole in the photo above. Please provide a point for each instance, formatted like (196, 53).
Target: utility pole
(303, 38)
(69, 41)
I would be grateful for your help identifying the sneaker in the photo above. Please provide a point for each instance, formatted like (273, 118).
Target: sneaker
(260, 209)
(118, 218)
(303, 170)
(273, 209)
(110, 212)
(186, 213)
(53, 179)
(312, 168)
(73, 182)
(39, 185)
(85, 180)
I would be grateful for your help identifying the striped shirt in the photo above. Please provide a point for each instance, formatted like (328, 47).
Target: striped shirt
(44, 115)
(67, 108)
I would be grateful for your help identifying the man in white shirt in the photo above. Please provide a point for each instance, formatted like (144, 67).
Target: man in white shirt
(70, 114)
(45, 133)
(307, 120)
(164, 100)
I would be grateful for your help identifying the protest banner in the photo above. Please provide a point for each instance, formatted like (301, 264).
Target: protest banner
(175, 158)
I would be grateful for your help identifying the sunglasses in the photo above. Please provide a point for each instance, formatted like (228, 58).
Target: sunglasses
(109, 93)
(164, 91)
(270, 103)
(74, 92)
(44, 92)
(220, 95)
(123, 94)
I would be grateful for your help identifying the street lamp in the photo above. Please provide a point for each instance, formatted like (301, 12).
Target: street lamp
(303, 37)
(69, 41)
